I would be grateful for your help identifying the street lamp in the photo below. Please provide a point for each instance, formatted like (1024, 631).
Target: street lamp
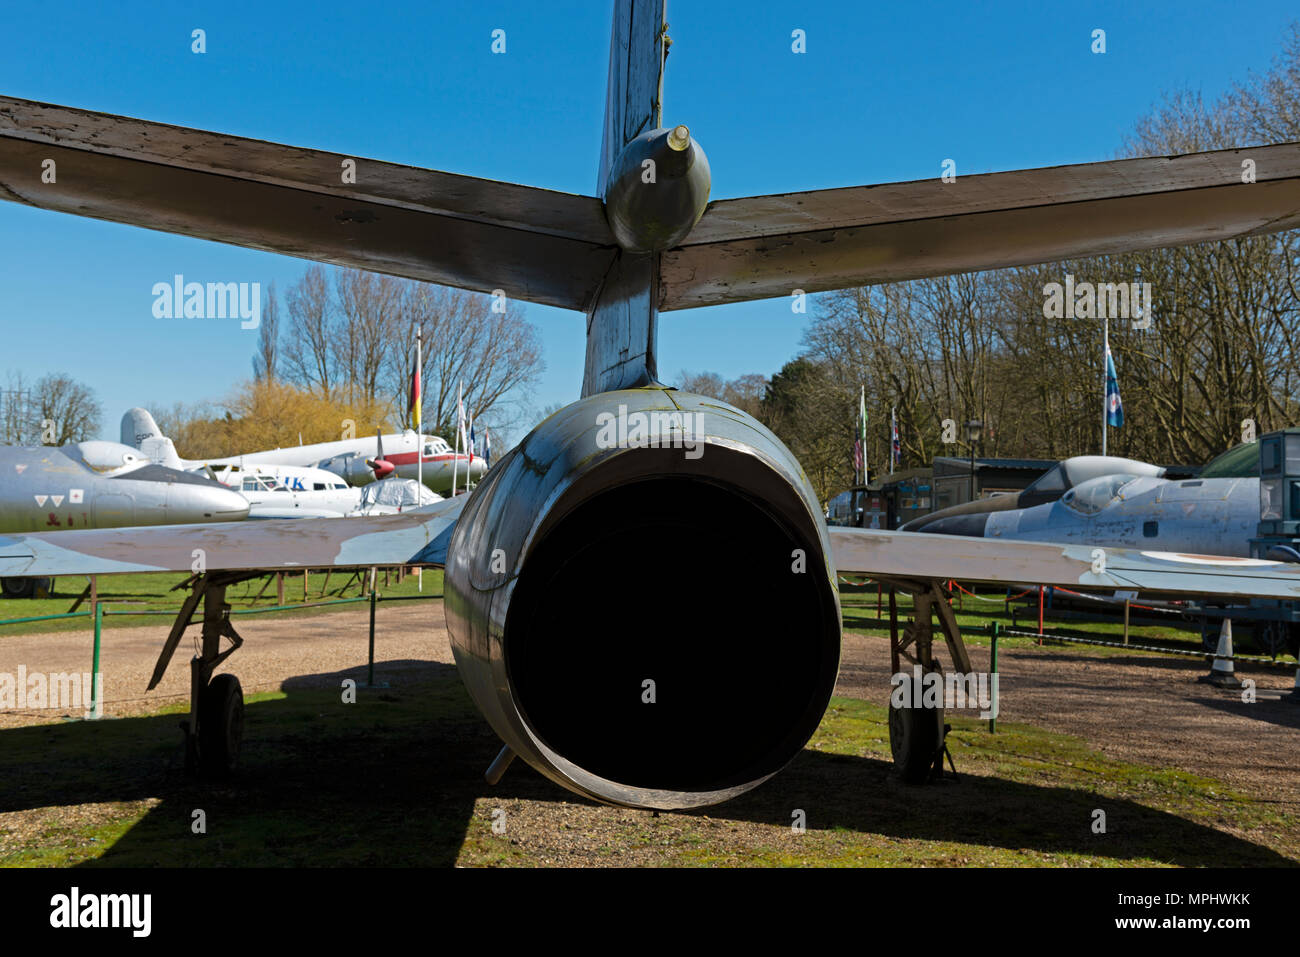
(973, 430)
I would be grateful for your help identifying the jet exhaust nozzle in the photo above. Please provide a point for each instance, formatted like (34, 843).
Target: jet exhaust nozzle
(652, 627)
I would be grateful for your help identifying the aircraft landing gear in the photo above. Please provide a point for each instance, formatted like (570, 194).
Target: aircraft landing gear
(917, 732)
(221, 725)
(25, 587)
(916, 739)
(215, 726)
(1277, 638)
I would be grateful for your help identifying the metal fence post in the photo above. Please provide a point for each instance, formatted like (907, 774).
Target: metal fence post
(96, 705)
(993, 721)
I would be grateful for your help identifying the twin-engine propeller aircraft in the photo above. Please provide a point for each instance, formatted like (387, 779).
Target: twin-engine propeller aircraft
(688, 548)
(357, 461)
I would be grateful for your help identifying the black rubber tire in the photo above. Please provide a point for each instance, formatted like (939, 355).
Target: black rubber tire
(221, 725)
(1209, 638)
(915, 738)
(1272, 637)
(25, 587)
(1244, 636)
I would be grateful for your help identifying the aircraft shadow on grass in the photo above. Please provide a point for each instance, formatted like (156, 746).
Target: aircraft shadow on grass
(393, 780)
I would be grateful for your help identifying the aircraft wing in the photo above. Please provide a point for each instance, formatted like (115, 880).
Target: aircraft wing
(555, 248)
(920, 556)
(419, 536)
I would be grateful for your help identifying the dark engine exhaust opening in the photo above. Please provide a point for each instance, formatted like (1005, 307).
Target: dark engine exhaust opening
(687, 583)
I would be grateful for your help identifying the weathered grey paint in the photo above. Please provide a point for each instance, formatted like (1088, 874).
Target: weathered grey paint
(46, 490)
(1206, 516)
(763, 246)
(537, 245)
(622, 318)
(417, 536)
(927, 557)
(562, 464)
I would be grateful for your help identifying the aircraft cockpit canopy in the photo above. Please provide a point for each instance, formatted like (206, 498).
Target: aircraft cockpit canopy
(1095, 494)
(433, 445)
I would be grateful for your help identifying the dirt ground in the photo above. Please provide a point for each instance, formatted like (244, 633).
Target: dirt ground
(1147, 710)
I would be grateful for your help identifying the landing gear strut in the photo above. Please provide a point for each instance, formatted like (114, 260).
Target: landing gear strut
(917, 732)
(215, 725)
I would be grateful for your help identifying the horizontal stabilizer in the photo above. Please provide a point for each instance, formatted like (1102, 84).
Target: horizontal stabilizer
(534, 244)
(764, 246)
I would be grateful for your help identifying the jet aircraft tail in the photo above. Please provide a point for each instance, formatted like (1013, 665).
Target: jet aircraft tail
(140, 431)
(137, 426)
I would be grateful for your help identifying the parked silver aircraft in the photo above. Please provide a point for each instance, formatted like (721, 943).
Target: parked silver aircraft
(49, 489)
(1204, 516)
(583, 564)
(1100, 500)
(1048, 487)
(357, 461)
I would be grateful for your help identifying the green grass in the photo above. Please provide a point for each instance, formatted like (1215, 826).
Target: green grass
(122, 594)
(974, 615)
(396, 779)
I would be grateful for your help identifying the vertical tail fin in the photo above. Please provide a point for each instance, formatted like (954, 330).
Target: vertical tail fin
(138, 425)
(140, 431)
(621, 324)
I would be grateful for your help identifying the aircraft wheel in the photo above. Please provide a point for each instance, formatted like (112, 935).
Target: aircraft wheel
(1209, 638)
(221, 725)
(1272, 637)
(25, 587)
(915, 738)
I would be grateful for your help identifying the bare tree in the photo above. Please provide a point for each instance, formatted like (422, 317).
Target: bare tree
(66, 410)
(472, 341)
(309, 360)
(702, 383)
(268, 339)
(369, 311)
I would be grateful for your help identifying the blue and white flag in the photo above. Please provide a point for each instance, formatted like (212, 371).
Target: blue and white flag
(895, 448)
(1114, 407)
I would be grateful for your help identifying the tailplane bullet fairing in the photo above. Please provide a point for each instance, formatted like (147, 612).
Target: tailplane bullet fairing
(578, 572)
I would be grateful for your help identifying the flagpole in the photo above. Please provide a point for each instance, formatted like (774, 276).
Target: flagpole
(419, 441)
(893, 433)
(1105, 390)
(419, 400)
(455, 458)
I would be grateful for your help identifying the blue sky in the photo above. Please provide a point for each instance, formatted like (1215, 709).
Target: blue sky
(885, 92)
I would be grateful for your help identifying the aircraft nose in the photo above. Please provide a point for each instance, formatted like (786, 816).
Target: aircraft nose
(192, 504)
